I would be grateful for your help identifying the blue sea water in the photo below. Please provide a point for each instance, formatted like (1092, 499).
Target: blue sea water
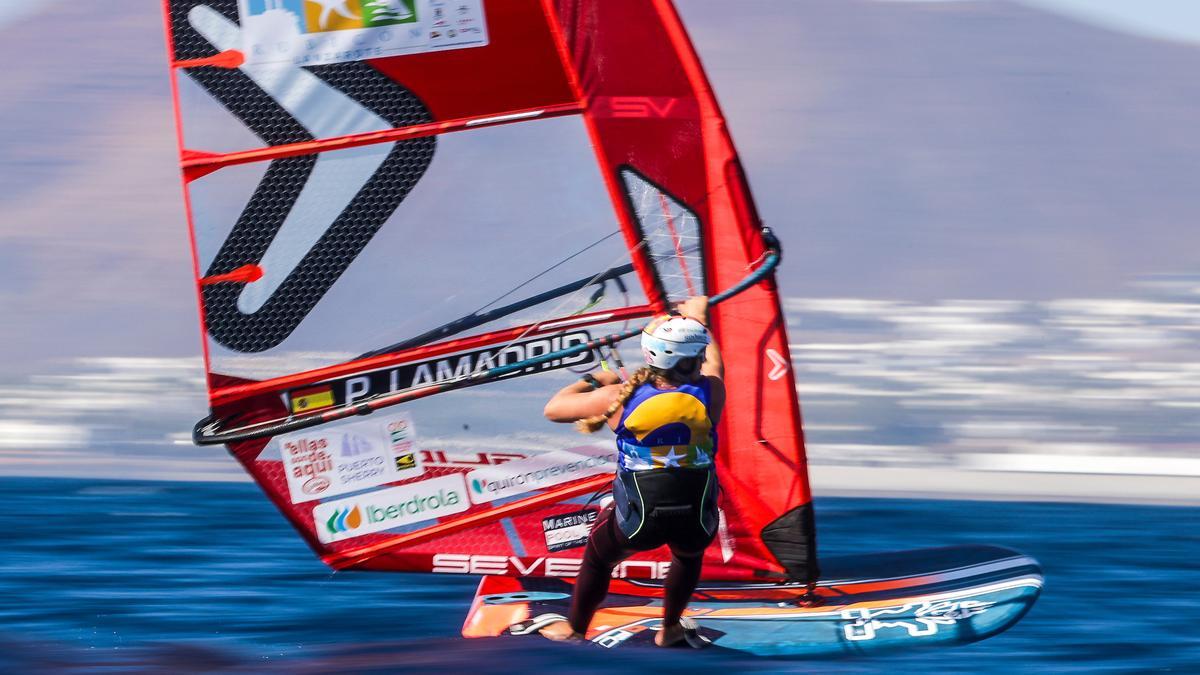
(198, 577)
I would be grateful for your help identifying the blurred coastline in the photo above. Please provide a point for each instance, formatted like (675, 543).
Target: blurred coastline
(1060, 400)
(1063, 400)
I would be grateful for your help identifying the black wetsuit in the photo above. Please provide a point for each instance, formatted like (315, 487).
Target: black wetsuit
(677, 503)
(652, 507)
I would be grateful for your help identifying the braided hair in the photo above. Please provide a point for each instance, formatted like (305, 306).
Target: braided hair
(590, 425)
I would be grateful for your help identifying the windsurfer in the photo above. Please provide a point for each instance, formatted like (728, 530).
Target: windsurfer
(665, 491)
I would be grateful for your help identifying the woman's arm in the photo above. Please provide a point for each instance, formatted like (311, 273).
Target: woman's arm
(713, 365)
(579, 400)
(716, 401)
(697, 308)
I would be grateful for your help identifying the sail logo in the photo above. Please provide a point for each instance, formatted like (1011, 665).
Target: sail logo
(400, 434)
(390, 508)
(315, 32)
(308, 463)
(317, 16)
(779, 365)
(644, 107)
(519, 566)
(568, 530)
(399, 430)
(457, 460)
(354, 445)
(344, 520)
(539, 472)
(346, 457)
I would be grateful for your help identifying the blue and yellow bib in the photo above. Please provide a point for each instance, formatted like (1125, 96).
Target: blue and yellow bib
(667, 428)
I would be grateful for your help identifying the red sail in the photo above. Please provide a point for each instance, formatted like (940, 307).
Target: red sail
(437, 189)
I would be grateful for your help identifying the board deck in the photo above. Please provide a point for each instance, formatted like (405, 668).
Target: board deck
(865, 603)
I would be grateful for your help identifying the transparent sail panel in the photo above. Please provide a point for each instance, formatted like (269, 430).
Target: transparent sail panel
(501, 216)
(671, 234)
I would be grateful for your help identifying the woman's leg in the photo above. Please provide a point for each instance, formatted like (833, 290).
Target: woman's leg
(689, 538)
(605, 548)
(681, 582)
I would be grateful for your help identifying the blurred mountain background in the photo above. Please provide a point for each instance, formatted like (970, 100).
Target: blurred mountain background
(988, 210)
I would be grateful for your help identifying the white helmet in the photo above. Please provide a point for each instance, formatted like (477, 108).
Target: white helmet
(669, 339)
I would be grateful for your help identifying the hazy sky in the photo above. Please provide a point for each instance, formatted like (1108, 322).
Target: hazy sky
(1171, 19)
(15, 10)
(1168, 19)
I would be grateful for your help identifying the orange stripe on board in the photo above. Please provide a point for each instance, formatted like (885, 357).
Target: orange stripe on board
(611, 617)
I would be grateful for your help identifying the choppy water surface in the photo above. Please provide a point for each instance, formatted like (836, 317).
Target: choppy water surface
(188, 577)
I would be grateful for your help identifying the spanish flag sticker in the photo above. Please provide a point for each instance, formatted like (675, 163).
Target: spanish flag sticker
(312, 398)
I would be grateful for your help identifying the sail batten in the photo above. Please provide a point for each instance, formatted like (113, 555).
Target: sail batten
(201, 162)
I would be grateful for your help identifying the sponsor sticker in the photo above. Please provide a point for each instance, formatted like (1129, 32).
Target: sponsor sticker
(401, 434)
(452, 459)
(568, 530)
(391, 507)
(314, 32)
(311, 398)
(336, 460)
(538, 472)
(460, 563)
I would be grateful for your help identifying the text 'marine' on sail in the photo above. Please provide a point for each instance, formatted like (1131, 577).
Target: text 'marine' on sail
(399, 195)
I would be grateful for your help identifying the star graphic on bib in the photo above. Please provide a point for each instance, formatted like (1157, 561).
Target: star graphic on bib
(672, 459)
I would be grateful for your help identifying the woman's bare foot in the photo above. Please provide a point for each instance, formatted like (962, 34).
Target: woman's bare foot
(560, 631)
(669, 636)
